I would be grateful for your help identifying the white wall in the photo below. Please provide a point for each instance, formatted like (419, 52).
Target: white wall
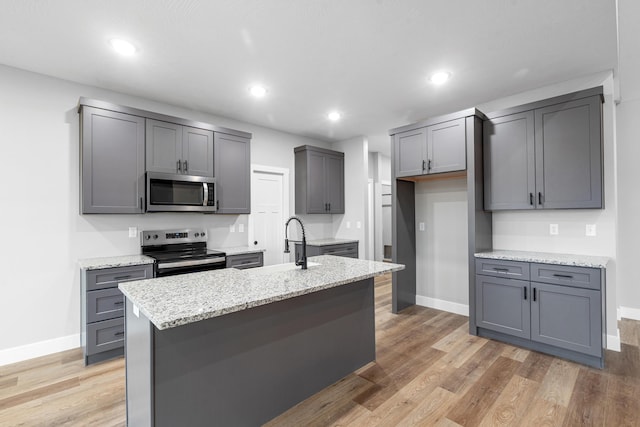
(44, 235)
(628, 145)
(356, 171)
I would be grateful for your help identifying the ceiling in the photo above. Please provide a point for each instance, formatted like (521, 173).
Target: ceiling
(368, 59)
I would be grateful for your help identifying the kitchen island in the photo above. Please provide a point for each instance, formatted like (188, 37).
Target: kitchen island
(239, 347)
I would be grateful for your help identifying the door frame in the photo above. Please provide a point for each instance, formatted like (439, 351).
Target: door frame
(284, 172)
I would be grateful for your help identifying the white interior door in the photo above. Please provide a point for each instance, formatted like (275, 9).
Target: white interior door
(268, 215)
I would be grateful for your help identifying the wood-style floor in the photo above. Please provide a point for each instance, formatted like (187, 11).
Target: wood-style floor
(429, 371)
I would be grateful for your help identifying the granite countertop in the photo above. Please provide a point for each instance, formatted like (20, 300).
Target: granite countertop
(547, 258)
(116, 261)
(330, 241)
(179, 300)
(239, 250)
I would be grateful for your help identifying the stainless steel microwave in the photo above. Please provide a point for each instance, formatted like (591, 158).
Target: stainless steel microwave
(180, 193)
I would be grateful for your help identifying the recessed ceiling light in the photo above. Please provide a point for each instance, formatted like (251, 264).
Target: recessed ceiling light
(439, 77)
(334, 116)
(123, 47)
(258, 91)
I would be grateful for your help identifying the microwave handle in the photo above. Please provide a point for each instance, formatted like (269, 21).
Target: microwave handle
(205, 195)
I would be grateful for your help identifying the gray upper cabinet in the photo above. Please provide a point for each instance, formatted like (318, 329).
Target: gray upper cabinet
(509, 162)
(319, 180)
(233, 173)
(548, 156)
(173, 148)
(112, 162)
(433, 149)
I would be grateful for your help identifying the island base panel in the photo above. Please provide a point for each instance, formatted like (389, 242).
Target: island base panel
(247, 367)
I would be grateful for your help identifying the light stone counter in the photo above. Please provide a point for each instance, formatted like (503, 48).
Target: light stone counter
(331, 241)
(239, 250)
(117, 261)
(179, 300)
(547, 258)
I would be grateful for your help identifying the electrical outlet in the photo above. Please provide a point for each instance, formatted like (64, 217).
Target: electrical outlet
(348, 224)
(358, 224)
(232, 228)
(133, 232)
(421, 226)
(240, 228)
(590, 230)
(553, 229)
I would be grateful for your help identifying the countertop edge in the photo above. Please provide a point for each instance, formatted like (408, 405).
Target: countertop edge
(589, 261)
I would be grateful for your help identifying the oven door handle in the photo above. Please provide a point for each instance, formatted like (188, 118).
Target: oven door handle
(205, 195)
(190, 263)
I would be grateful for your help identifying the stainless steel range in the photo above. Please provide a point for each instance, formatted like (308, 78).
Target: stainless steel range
(180, 251)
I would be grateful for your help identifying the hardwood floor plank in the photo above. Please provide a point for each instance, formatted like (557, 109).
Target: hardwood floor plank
(535, 366)
(624, 407)
(516, 353)
(460, 380)
(543, 413)
(629, 332)
(476, 401)
(21, 398)
(624, 363)
(8, 382)
(511, 405)
(558, 384)
(431, 410)
(588, 401)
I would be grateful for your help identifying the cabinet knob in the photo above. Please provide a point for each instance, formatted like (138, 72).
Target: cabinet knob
(255, 242)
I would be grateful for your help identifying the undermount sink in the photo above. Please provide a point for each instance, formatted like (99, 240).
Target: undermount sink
(279, 267)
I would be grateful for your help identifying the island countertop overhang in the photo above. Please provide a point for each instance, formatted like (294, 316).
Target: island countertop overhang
(182, 299)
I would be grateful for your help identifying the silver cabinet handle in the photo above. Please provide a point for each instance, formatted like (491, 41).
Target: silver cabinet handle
(179, 167)
(186, 167)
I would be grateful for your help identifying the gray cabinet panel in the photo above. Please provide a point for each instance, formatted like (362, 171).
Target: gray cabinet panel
(112, 167)
(164, 147)
(348, 250)
(319, 180)
(410, 152)
(197, 151)
(105, 336)
(569, 154)
(110, 277)
(567, 317)
(505, 269)
(581, 277)
(233, 173)
(104, 304)
(509, 162)
(244, 261)
(446, 151)
(502, 305)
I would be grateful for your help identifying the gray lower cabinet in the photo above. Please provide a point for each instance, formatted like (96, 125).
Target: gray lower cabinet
(546, 155)
(177, 149)
(319, 180)
(102, 303)
(244, 261)
(112, 162)
(554, 308)
(348, 250)
(233, 173)
(432, 149)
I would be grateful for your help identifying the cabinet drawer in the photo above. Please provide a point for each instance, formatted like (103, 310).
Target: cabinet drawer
(499, 268)
(110, 277)
(104, 304)
(580, 277)
(245, 261)
(349, 250)
(105, 335)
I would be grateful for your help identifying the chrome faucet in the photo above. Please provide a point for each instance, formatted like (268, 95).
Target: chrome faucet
(302, 261)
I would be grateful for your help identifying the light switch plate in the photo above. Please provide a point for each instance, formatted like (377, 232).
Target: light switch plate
(553, 229)
(348, 224)
(232, 228)
(133, 232)
(240, 228)
(421, 226)
(590, 230)
(358, 224)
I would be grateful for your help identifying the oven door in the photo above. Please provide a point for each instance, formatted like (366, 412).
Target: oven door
(182, 266)
(180, 193)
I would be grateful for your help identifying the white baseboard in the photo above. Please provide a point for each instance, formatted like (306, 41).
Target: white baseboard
(42, 348)
(613, 341)
(439, 304)
(629, 313)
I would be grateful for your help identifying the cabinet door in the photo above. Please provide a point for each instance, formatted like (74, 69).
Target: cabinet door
(569, 154)
(197, 151)
(334, 175)
(164, 147)
(410, 152)
(233, 174)
(446, 147)
(509, 162)
(112, 150)
(502, 305)
(316, 184)
(567, 317)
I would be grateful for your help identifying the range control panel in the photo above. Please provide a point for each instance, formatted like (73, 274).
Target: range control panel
(165, 237)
